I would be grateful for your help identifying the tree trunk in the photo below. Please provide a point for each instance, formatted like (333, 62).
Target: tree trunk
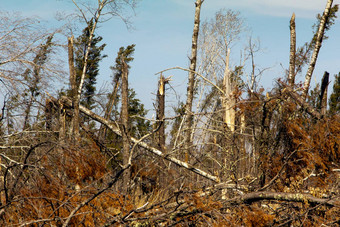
(125, 125)
(228, 99)
(27, 113)
(317, 47)
(191, 83)
(74, 134)
(323, 94)
(291, 75)
(48, 114)
(160, 135)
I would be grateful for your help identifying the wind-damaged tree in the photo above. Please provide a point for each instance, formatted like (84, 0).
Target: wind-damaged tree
(191, 78)
(105, 9)
(124, 125)
(160, 113)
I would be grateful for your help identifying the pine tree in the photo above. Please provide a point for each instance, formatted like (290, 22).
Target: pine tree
(138, 125)
(92, 70)
(334, 100)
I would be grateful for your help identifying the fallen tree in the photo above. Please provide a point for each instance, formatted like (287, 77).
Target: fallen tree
(114, 127)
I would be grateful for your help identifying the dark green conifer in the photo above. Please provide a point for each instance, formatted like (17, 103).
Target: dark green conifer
(334, 100)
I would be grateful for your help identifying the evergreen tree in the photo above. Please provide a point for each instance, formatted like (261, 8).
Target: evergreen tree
(334, 100)
(137, 113)
(314, 97)
(92, 70)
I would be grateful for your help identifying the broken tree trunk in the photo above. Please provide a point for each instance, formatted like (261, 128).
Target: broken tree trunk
(228, 99)
(323, 94)
(317, 47)
(291, 75)
(160, 134)
(124, 127)
(74, 128)
(115, 129)
(191, 83)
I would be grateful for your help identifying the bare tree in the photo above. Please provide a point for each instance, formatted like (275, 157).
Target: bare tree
(28, 66)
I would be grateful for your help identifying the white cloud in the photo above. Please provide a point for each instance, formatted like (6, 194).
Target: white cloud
(279, 8)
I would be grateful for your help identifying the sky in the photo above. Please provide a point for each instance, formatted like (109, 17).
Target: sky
(163, 29)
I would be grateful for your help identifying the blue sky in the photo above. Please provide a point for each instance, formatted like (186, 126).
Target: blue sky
(163, 30)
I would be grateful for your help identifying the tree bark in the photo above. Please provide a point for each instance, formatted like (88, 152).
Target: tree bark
(282, 196)
(323, 94)
(125, 124)
(160, 135)
(317, 47)
(191, 82)
(291, 75)
(75, 116)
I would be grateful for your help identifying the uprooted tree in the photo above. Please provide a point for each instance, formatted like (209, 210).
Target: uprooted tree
(240, 157)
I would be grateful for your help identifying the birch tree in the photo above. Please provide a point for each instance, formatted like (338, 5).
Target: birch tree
(191, 78)
(318, 42)
(291, 74)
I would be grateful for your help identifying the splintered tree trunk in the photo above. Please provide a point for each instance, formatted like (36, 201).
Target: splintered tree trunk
(228, 103)
(291, 75)
(323, 94)
(75, 118)
(317, 47)
(125, 125)
(160, 135)
(228, 99)
(191, 83)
